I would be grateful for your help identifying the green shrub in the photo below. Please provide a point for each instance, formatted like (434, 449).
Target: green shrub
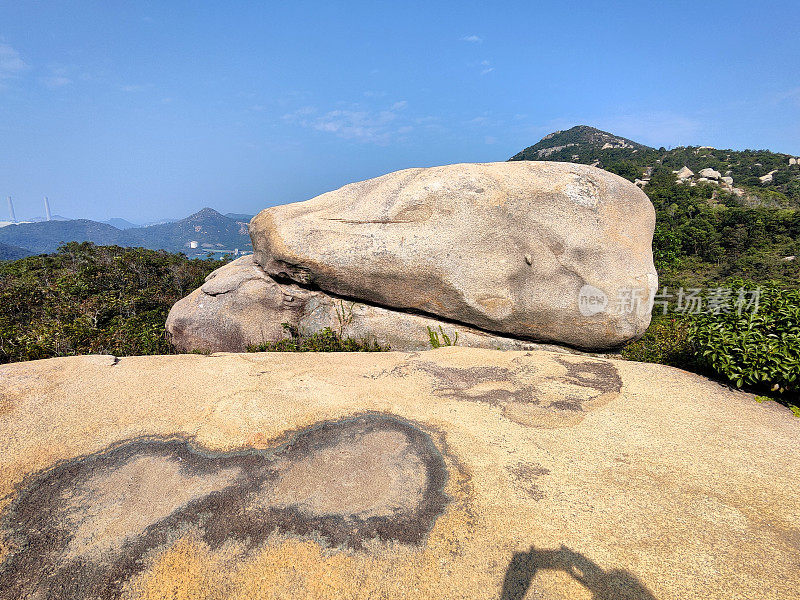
(758, 350)
(445, 340)
(87, 299)
(326, 340)
(666, 342)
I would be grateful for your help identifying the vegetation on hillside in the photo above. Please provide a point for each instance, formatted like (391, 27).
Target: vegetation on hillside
(703, 236)
(88, 299)
(8, 252)
(756, 349)
(753, 349)
(587, 145)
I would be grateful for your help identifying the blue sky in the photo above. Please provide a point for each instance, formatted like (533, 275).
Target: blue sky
(148, 110)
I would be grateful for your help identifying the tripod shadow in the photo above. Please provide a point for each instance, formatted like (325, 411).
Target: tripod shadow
(604, 585)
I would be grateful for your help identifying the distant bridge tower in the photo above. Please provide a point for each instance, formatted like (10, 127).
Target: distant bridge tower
(47, 209)
(11, 210)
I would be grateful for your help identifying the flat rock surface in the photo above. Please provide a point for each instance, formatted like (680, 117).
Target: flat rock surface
(455, 473)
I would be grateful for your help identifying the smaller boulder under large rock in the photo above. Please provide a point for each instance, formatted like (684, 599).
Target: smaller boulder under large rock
(240, 306)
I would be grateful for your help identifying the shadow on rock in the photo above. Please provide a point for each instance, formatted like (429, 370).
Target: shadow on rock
(604, 585)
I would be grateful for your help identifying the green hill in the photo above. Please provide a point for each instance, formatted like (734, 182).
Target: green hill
(8, 252)
(759, 177)
(739, 218)
(212, 231)
(47, 236)
(580, 144)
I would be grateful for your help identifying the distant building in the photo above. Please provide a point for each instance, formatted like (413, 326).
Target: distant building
(193, 244)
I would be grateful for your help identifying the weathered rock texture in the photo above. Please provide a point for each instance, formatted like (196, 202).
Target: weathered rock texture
(504, 247)
(456, 473)
(241, 306)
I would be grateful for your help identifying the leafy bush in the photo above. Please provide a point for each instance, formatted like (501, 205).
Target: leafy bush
(758, 350)
(666, 342)
(326, 340)
(87, 299)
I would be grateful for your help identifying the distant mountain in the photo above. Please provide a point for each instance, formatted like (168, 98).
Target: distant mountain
(47, 236)
(755, 177)
(8, 252)
(210, 229)
(579, 142)
(120, 223)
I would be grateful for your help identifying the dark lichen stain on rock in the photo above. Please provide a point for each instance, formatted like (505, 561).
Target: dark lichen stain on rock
(600, 375)
(472, 383)
(83, 527)
(525, 475)
(522, 393)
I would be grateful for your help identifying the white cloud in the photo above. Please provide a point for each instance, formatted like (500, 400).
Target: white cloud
(299, 114)
(357, 123)
(10, 62)
(472, 39)
(484, 67)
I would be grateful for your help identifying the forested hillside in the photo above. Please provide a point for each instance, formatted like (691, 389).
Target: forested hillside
(88, 299)
(741, 220)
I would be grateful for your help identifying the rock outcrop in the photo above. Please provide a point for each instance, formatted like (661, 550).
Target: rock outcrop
(240, 306)
(508, 248)
(768, 177)
(455, 473)
(710, 173)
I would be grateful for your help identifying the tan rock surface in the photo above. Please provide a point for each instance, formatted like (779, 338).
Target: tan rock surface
(505, 247)
(456, 473)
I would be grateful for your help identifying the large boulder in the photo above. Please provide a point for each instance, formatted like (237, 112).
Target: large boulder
(553, 252)
(709, 173)
(455, 473)
(240, 306)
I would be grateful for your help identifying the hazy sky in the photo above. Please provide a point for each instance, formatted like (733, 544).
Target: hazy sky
(145, 110)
